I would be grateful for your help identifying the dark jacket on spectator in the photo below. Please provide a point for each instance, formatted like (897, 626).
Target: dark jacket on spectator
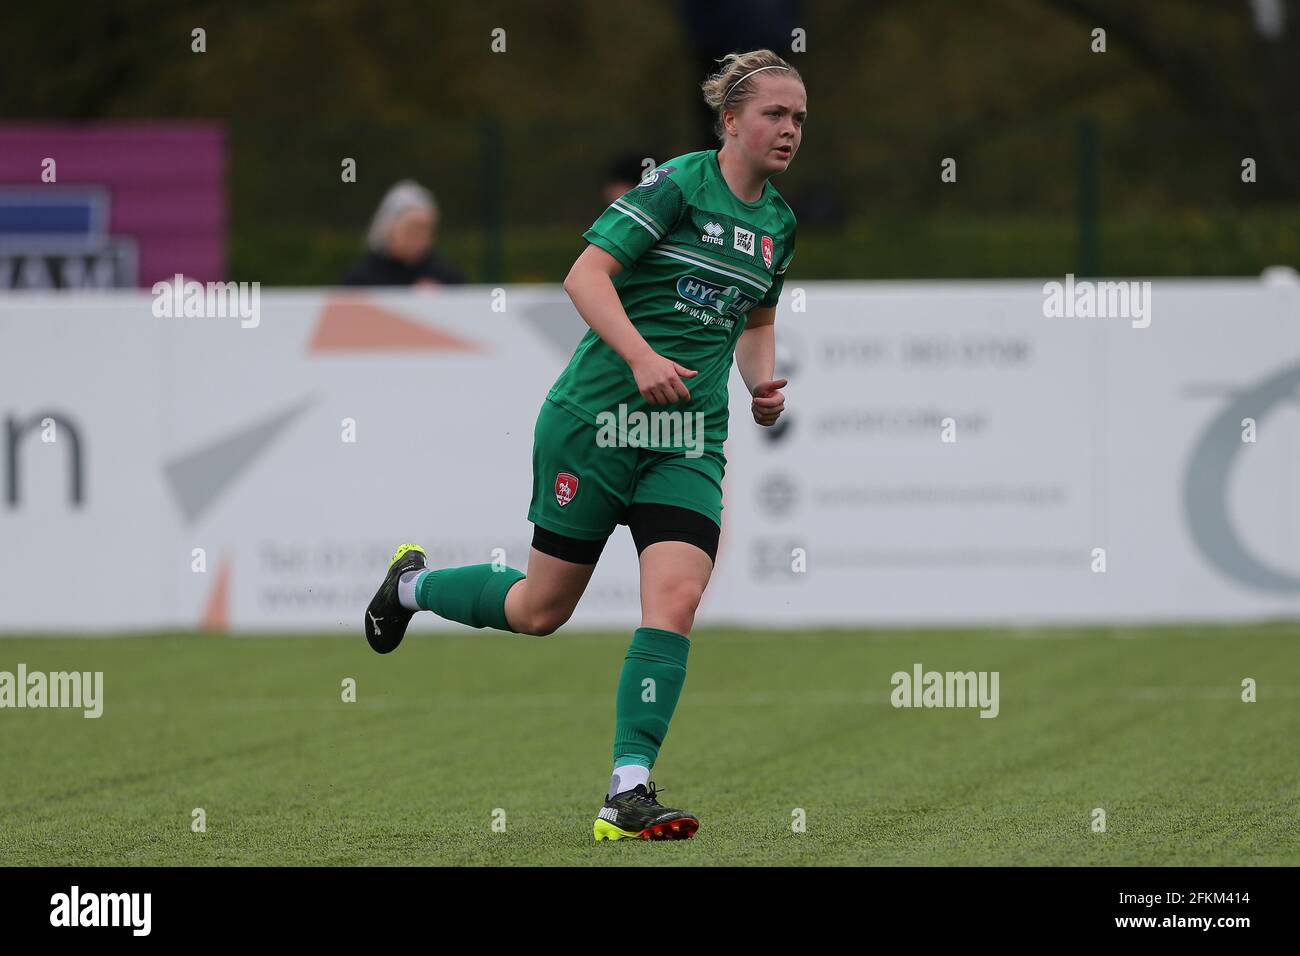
(377, 268)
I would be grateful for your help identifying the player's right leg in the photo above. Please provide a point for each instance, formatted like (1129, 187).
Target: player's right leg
(480, 595)
(547, 597)
(579, 492)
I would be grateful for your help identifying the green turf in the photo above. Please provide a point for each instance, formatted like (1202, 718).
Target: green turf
(1147, 724)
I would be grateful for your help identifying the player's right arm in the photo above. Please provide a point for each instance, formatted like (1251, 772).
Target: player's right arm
(590, 284)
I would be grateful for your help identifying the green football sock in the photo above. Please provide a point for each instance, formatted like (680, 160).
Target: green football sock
(653, 673)
(473, 595)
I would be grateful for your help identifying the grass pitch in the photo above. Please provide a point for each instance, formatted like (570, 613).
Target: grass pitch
(453, 731)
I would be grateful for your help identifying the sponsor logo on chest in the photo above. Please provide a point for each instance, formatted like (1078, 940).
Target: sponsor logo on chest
(722, 300)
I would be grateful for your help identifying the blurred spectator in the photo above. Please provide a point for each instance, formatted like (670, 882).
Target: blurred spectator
(624, 173)
(712, 30)
(400, 243)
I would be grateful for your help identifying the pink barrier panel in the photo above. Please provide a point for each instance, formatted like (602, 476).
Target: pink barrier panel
(165, 185)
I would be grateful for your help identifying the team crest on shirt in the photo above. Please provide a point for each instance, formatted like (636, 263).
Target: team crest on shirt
(744, 241)
(767, 251)
(566, 488)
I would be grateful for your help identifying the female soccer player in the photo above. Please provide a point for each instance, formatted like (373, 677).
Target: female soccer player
(681, 273)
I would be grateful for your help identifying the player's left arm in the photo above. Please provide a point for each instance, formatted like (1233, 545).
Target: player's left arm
(756, 359)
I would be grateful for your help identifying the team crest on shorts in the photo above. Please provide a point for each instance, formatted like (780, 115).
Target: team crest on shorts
(566, 487)
(767, 251)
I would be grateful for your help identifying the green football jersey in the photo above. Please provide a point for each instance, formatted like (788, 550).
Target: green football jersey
(696, 259)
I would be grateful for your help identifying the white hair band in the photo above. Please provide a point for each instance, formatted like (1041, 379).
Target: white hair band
(747, 76)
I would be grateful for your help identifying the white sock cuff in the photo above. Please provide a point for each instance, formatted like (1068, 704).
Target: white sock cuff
(406, 587)
(627, 777)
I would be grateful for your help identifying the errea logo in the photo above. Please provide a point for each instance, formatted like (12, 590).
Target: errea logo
(712, 234)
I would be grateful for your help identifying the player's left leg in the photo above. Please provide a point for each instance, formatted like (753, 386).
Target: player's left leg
(674, 574)
(677, 544)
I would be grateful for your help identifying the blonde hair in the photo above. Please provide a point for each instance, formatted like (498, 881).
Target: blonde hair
(730, 87)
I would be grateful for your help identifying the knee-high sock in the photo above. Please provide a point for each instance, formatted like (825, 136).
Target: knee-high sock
(653, 673)
(473, 595)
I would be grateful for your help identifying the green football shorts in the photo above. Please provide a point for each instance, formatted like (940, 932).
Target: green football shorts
(582, 490)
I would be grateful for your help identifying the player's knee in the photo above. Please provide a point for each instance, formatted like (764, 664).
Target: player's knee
(546, 620)
(678, 603)
(686, 595)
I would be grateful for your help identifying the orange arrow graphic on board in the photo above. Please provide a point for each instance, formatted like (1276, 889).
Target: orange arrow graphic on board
(352, 325)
